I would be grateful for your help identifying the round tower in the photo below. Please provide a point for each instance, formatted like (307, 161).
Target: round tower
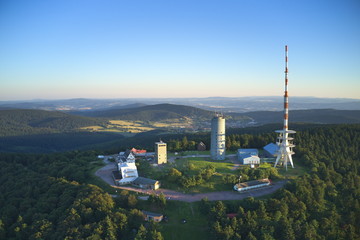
(217, 149)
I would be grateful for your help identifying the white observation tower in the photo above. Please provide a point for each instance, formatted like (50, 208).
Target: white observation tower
(217, 149)
(284, 142)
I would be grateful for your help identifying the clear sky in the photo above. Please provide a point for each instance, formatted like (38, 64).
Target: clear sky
(178, 48)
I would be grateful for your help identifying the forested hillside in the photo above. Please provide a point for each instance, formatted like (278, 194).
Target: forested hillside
(46, 197)
(24, 122)
(58, 142)
(156, 112)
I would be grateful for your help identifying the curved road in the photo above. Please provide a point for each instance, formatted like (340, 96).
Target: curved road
(105, 174)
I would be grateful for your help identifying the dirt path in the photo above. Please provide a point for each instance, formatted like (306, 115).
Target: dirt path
(105, 174)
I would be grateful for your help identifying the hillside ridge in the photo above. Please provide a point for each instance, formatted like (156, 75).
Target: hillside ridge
(155, 112)
(30, 121)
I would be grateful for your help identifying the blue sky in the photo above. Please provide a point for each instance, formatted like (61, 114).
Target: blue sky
(179, 48)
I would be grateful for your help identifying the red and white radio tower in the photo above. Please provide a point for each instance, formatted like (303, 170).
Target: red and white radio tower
(284, 142)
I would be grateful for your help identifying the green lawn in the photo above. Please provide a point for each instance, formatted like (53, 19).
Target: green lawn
(191, 166)
(292, 173)
(176, 211)
(187, 153)
(201, 163)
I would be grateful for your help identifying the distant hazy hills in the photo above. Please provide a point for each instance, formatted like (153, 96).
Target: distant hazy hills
(28, 121)
(224, 104)
(156, 112)
(322, 116)
(33, 130)
(17, 122)
(160, 112)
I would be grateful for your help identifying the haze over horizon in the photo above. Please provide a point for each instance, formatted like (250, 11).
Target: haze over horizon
(178, 49)
(134, 99)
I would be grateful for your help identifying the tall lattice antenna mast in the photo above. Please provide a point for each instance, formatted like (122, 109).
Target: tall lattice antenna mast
(284, 142)
(286, 96)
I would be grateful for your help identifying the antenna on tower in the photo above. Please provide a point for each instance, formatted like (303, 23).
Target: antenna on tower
(284, 142)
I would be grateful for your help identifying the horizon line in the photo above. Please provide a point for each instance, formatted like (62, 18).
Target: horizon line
(96, 98)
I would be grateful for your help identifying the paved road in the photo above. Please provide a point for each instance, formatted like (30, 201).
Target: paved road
(105, 174)
(172, 159)
(212, 196)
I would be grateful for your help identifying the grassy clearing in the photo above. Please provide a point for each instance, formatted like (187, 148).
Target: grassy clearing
(188, 153)
(174, 123)
(265, 165)
(292, 173)
(124, 123)
(92, 128)
(195, 226)
(201, 163)
(176, 211)
(121, 126)
(191, 166)
(135, 127)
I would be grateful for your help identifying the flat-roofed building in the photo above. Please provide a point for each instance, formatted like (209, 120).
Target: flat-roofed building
(156, 217)
(244, 186)
(146, 183)
(160, 152)
(271, 150)
(126, 174)
(248, 156)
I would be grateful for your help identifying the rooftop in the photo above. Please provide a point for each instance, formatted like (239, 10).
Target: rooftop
(271, 148)
(252, 183)
(117, 175)
(142, 180)
(152, 214)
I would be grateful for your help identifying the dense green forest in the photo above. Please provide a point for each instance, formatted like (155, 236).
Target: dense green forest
(58, 142)
(18, 122)
(156, 112)
(160, 112)
(323, 204)
(48, 197)
(53, 196)
(26, 130)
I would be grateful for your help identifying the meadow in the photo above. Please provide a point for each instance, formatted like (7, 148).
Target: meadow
(124, 126)
(194, 227)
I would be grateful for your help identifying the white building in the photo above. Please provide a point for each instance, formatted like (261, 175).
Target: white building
(128, 172)
(126, 168)
(127, 156)
(240, 187)
(248, 156)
